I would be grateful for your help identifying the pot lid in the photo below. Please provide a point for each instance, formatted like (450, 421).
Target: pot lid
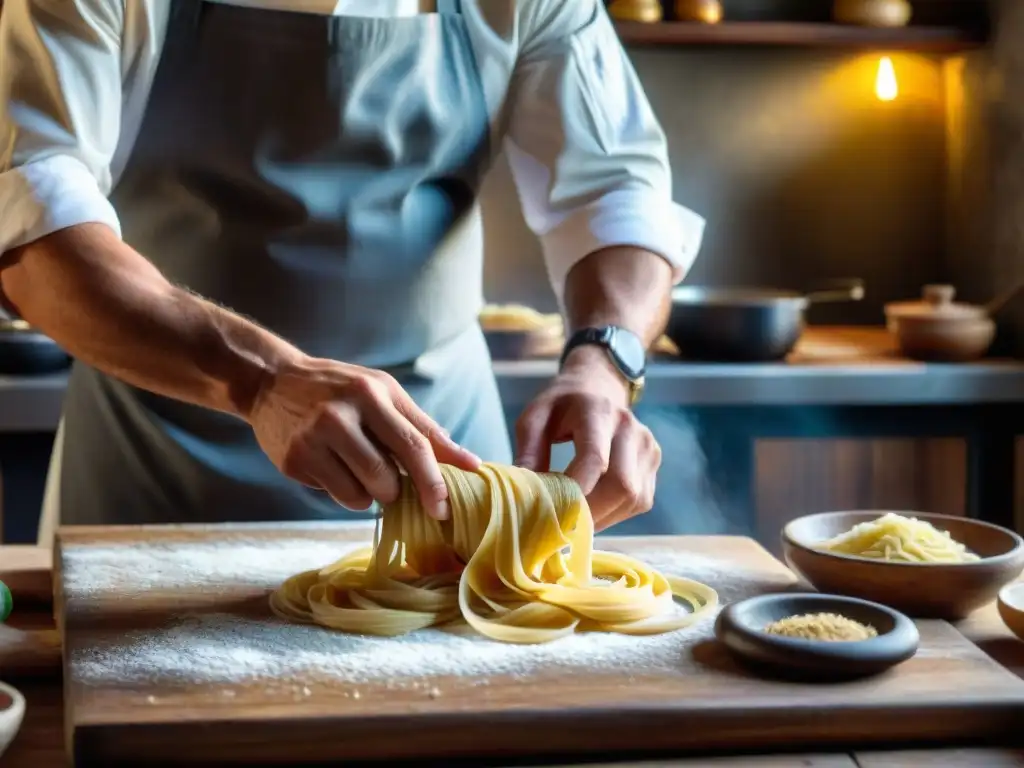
(936, 302)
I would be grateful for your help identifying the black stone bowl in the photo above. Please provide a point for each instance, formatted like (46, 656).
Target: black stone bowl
(740, 627)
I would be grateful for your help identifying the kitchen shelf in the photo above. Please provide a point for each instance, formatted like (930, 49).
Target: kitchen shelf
(799, 34)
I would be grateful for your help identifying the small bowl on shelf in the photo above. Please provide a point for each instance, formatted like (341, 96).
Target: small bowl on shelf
(524, 345)
(922, 590)
(741, 629)
(517, 332)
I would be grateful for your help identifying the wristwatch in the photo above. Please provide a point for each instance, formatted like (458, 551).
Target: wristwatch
(625, 350)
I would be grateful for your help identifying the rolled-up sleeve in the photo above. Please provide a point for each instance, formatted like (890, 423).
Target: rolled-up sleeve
(587, 153)
(60, 115)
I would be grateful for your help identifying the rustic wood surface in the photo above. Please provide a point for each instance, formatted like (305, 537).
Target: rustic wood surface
(26, 570)
(818, 345)
(40, 744)
(949, 691)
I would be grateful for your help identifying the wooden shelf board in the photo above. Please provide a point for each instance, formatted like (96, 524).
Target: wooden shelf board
(800, 34)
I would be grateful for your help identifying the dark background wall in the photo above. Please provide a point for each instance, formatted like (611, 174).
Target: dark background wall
(985, 228)
(802, 173)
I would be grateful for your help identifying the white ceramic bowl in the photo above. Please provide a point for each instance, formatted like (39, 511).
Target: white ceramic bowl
(1011, 607)
(12, 710)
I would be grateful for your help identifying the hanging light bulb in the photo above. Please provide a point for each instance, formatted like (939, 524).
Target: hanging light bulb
(886, 86)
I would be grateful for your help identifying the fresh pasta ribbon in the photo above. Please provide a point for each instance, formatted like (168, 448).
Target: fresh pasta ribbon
(515, 561)
(897, 538)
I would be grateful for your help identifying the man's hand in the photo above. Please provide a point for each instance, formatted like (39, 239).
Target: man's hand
(617, 457)
(347, 430)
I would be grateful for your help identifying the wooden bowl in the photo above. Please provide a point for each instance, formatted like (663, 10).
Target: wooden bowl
(943, 340)
(937, 328)
(740, 627)
(12, 710)
(921, 590)
(1011, 607)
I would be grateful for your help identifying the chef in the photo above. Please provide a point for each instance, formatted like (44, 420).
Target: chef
(254, 224)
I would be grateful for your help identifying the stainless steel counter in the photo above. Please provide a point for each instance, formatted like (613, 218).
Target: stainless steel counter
(33, 403)
(875, 383)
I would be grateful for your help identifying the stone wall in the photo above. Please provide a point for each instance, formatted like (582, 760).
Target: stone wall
(985, 140)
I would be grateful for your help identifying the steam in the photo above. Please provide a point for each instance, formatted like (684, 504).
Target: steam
(685, 502)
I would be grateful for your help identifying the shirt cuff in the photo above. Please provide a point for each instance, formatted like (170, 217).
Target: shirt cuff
(48, 195)
(632, 217)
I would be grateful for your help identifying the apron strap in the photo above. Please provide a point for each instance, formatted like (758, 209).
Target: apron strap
(451, 7)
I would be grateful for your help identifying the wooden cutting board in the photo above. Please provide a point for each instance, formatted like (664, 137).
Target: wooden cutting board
(171, 655)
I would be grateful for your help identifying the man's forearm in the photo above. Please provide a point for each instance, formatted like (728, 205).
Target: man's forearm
(110, 308)
(622, 286)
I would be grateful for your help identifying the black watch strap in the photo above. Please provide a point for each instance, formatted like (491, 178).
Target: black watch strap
(625, 349)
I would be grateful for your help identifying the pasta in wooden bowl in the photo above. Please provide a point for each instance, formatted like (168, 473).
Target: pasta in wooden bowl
(933, 566)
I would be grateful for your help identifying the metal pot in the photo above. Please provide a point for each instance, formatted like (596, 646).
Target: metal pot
(744, 324)
(26, 351)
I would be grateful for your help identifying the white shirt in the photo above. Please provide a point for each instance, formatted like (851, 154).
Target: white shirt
(587, 154)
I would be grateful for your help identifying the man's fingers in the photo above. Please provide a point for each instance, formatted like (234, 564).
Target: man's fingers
(622, 486)
(446, 450)
(533, 449)
(335, 479)
(340, 433)
(612, 517)
(592, 438)
(414, 452)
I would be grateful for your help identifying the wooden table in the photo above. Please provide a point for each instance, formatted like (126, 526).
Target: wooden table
(40, 742)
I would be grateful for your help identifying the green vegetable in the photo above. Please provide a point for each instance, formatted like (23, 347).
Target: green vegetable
(6, 602)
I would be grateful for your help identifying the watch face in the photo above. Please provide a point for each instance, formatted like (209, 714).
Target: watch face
(630, 352)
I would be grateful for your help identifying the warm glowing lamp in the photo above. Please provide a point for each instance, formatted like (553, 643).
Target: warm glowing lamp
(886, 87)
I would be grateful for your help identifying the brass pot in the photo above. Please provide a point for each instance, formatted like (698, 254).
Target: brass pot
(872, 13)
(647, 11)
(703, 11)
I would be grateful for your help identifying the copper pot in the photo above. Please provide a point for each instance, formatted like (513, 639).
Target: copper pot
(703, 11)
(941, 330)
(647, 11)
(872, 13)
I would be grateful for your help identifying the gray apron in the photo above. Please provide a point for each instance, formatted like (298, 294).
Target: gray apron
(319, 175)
